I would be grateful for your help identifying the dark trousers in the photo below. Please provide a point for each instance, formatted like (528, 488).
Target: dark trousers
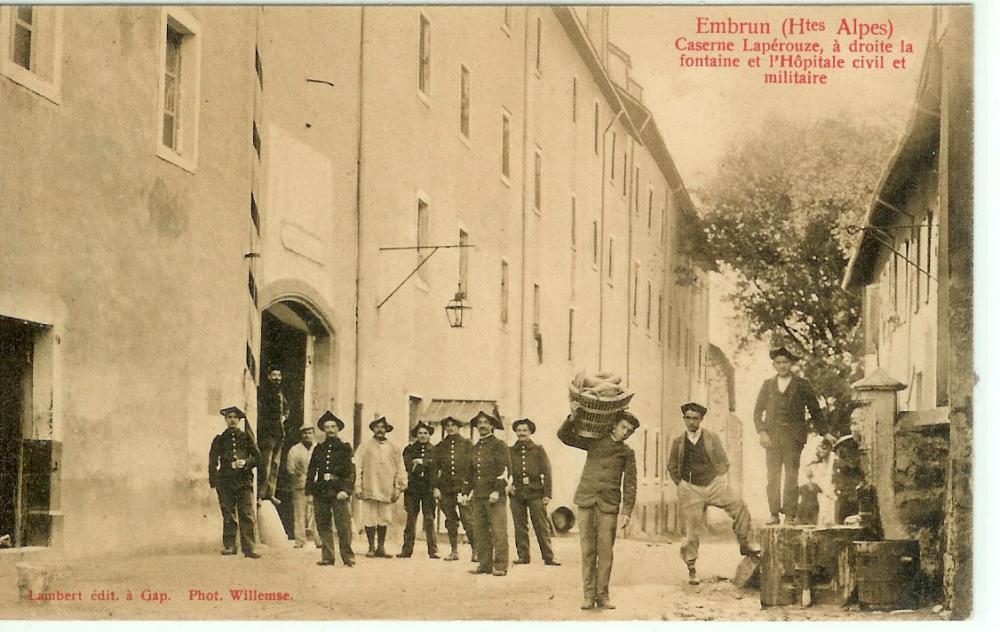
(597, 542)
(270, 465)
(414, 503)
(520, 509)
(237, 507)
(783, 499)
(490, 524)
(329, 513)
(453, 512)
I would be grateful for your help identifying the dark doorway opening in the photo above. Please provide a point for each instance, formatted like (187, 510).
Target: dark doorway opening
(16, 351)
(291, 335)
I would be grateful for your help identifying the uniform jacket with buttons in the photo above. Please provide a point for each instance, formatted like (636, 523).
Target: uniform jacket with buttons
(609, 476)
(227, 448)
(419, 475)
(785, 413)
(450, 464)
(273, 412)
(333, 457)
(489, 467)
(713, 448)
(528, 461)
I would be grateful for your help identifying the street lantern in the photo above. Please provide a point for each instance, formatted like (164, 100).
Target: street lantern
(455, 309)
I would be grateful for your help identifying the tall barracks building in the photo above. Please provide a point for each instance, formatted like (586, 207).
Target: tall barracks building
(189, 196)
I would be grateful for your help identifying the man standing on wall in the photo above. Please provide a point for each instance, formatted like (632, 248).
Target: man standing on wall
(780, 419)
(381, 478)
(698, 465)
(272, 412)
(605, 498)
(231, 460)
(419, 496)
(530, 491)
(486, 488)
(330, 480)
(450, 464)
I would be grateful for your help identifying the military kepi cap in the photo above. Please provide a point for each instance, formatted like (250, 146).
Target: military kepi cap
(694, 406)
(783, 351)
(382, 420)
(420, 424)
(233, 409)
(453, 420)
(328, 416)
(497, 424)
(524, 422)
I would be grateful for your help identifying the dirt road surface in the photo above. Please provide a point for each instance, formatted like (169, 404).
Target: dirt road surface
(649, 582)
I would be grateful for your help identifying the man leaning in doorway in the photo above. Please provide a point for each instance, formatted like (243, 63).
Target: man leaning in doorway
(605, 498)
(698, 465)
(231, 460)
(381, 478)
(780, 419)
(272, 414)
(450, 465)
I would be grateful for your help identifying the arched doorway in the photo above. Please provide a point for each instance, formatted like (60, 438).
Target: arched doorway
(296, 340)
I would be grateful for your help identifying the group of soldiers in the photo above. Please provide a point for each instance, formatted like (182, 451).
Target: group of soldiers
(473, 483)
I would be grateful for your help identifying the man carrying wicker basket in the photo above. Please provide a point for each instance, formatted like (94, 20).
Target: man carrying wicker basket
(605, 496)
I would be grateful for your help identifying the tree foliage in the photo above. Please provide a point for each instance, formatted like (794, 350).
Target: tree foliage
(776, 215)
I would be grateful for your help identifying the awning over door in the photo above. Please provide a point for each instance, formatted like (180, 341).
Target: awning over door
(461, 409)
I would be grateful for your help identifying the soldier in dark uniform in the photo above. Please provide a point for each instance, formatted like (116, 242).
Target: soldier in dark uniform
(330, 481)
(531, 490)
(230, 472)
(780, 419)
(486, 489)
(419, 495)
(450, 467)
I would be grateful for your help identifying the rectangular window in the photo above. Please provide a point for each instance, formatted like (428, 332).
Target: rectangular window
(614, 142)
(635, 289)
(424, 71)
(172, 90)
(569, 355)
(597, 126)
(574, 99)
(31, 48)
(670, 327)
(645, 446)
(538, 180)
(625, 171)
(649, 305)
(659, 317)
(536, 310)
(572, 222)
(595, 244)
(656, 459)
(465, 105)
(649, 211)
(504, 292)
(505, 145)
(917, 259)
(700, 376)
(423, 235)
(538, 45)
(463, 262)
(929, 254)
(611, 260)
(179, 90)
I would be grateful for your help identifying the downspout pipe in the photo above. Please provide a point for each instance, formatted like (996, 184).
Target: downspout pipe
(633, 297)
(600, 281)
(358, 200)
(524, 217)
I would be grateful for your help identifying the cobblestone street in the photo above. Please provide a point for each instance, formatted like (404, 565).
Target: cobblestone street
(648, 583)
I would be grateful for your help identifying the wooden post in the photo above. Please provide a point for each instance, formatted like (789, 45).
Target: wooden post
(778, 582)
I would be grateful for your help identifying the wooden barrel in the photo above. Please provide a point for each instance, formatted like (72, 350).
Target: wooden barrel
(888, 574)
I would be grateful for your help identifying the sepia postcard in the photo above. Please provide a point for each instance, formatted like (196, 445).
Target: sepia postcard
(654, 313)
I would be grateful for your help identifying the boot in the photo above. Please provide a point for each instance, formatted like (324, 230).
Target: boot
(370, 532)
(693, 575)
(453, 541)
(432, 549)
(380, 550)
